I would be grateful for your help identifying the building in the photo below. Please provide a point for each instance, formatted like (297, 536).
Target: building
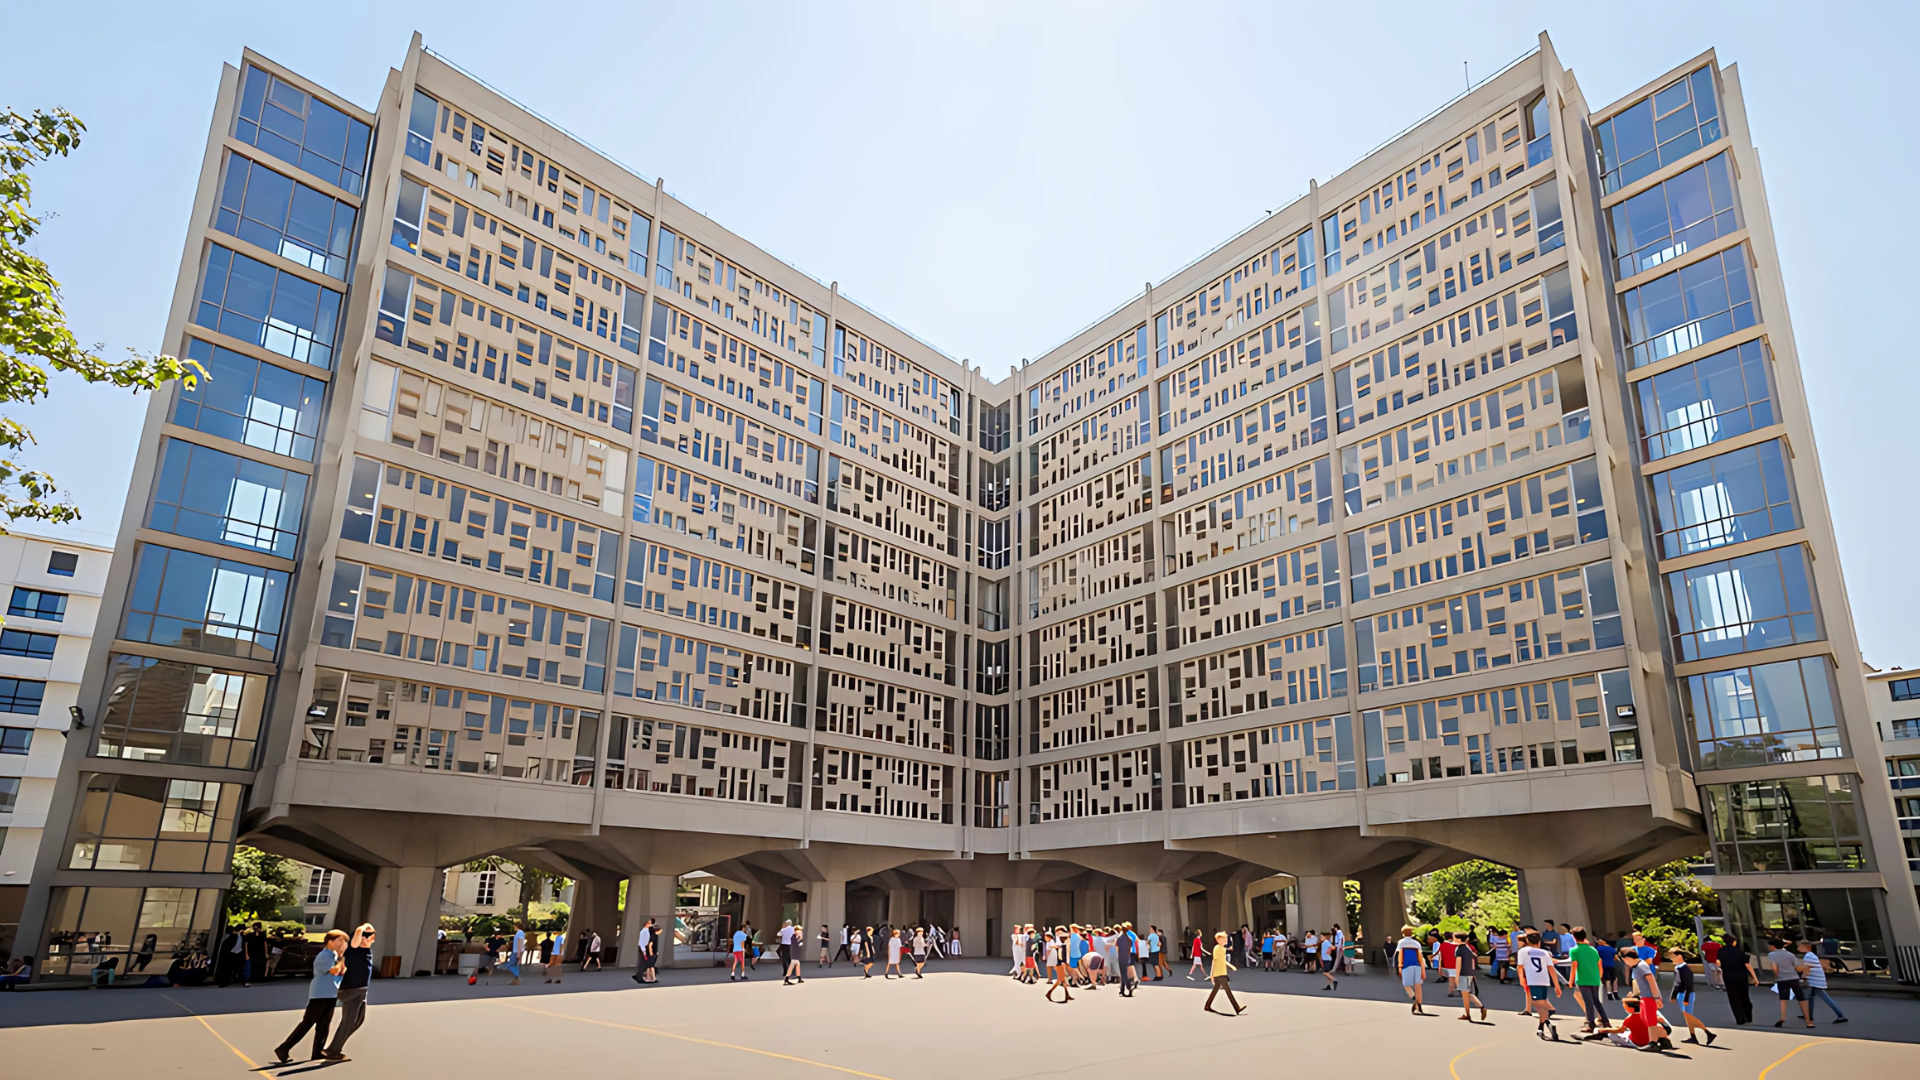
(53, 598)
(1895, 697)
(1459, 508)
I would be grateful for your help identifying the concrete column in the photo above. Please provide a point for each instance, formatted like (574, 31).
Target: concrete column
(649, 896)
(1552, 892)
(1016, 908)
(349, 905)
(1383, 909)
(1159, 905)
(1606, 903)
(405, 910)
(763, 911)
(1232, 911)
(1323, 902)
(970, 919)
(596, 908)
(1090, 907)
(903, 907)
(826, 903)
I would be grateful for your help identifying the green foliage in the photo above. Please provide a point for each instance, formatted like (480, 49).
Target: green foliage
(1670, 895)
(33, 326)
(262, 884)
(1456, 889)
(1350, 891)
(529, 880)
(1500, 909)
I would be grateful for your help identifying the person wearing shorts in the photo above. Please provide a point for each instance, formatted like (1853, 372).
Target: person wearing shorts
(1788, 983)
(1412, 962)
(1541, 976)
(1684, 995)
(1467, 963)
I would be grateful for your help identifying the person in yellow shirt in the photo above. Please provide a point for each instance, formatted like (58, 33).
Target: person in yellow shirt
(1220, 969)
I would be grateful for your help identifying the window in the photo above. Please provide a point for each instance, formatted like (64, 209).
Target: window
(394, 291)
(28, 644)
(407, 213)
(247, 299)
(1672, 218)
(1795, 823)
(63, 563)
(192, 714)
(1716, 397)
(288, 218)
(420, 119)
(1678, 119)
(301, 130)
(483, 888)
(15, 740)
(9, 798)
(1702, 302)
(209, 495)
(35, 604)
(1755, 602)
(22, 696)
(193, 601)
(1765, 714)
(1904, 689)
(1539, 131)
(1737, 496)
(251, 402)
(153, 823)
(320, 879)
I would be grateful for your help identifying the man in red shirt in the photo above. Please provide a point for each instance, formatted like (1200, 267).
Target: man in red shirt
(1635, 1031)
(1447, 965)
(1710, 954)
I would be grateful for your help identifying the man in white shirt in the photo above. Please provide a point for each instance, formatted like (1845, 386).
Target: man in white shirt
(1540, 975)
(642, 946)
(790, 943)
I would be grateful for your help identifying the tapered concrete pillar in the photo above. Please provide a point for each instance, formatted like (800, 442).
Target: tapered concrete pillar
(1606, 903)
(649, 896)
(1159, 905)
(764, 912)
(903, 907)
(349, 900)
(1016, 909)
(1552, 892)
(596, 910)
(405, 911)
(1323, 902)
(1383, 909)
(1090, 907)
(826, 903)
(970, 919)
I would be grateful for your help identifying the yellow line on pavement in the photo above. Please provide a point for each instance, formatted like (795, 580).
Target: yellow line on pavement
(1456, 1059)
(700, 1041)
(251, 1064)
(1790, 1053)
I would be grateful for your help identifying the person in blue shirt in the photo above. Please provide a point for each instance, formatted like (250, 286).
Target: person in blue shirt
(737, 966)
(322, 993)
(1076, 952)
(1609, 968)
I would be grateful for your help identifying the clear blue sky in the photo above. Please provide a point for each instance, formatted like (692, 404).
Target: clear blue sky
(993, 176)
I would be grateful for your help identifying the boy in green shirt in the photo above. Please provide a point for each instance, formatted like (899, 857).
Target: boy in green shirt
(1586, 976)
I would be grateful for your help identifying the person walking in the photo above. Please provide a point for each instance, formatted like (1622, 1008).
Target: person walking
(1018, 942)
(515, 950)
(1684, 995)
(594, 948)
(1500, 943)
(1736, 968)
(1221, 980)
(354, 980)
(795, 941)
(1540, 975)
(1788, 984)
(1467, 962)
(256, 955)
(1329, 959)
(1056, 955)
(1646, 982)
(953, 944)
(1126, 949)
(322, 995)
(737, 964)
(826, 944)
(919, 952)
(863, 948)
(557, 960)
(1816, 981)
(643, 953)
(894, 947)
(1412, 962)
(1199, 956)
(850, 954)
(1587, 980)
(1710, 958)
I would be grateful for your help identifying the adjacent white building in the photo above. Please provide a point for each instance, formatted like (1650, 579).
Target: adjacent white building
(52, 589)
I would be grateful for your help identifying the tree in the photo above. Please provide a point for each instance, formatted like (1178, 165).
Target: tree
(1456, 889)
(1665, 899)
(262, 882)
(33, 326)
(530, 881)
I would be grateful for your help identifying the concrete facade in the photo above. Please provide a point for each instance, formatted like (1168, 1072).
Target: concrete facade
(1406, 527)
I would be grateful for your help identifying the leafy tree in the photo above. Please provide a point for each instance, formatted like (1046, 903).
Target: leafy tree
(33, 326)
(1454, 891)
(1665, 899)
(262, 883)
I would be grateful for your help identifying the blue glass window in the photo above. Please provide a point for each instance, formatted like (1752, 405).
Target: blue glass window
(1670, 219)
(1700, 303)
(37, 604)
(1715, 397)
(1737, 496)
(1678, 119)
(209, 495)
(1758, 601)
(22, 696)
(247, 299)
(251, 402)
(192, 601)
(28, 644)
(420, 128)
(1766, 714)
(286, 217)
(302, 131)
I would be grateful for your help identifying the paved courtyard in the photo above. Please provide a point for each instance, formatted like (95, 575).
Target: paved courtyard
(965, 1019)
